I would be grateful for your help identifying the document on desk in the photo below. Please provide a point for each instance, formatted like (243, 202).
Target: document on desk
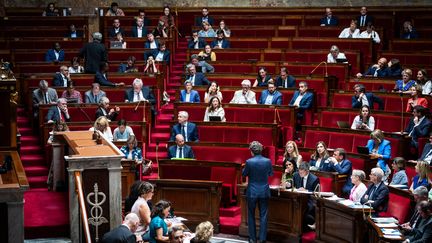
(385, 220)
(387, 225)
(390, 232)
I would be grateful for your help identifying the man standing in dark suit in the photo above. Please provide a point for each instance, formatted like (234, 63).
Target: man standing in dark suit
(377, 194)
(62, 78)
(196, 79)
(257, 169)
(364, 19)
(58, 113)
(180, 150)
(94, 53)
(419, 125)
(285, 80)
(361, 98)
(343, 166)
(188, 129)
(125, 232)
(329, 19)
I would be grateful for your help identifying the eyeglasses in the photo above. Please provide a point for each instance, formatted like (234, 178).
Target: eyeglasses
(178, 237)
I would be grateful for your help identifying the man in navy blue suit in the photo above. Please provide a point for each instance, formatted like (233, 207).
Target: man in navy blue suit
(377, 70)
(125, 232)
(204, 17)
(329, 19)
(196, 79)
(188, 94)
(196, 42)
(112, 33)
(220, 42)
(162, 54)
(361, 98)
(62, 78)
(271, 96)
(257, 169)
(285, 80)
(377, 194)
(58, 113)
(419, 125)
(56, 54)
(343, 166)
(151, 43)
(139, 31)
(364, 19)
(302, 100)
(180, 150)
(188, 129)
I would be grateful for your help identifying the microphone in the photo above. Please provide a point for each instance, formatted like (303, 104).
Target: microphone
(313, 70)
(317, 191)
(139, 102)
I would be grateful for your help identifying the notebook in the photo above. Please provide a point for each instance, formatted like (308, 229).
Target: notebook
(341, 60)
(343, 124)
(116, 45)
(362, 150)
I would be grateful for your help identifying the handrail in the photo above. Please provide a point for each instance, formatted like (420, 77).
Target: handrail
(84, 217)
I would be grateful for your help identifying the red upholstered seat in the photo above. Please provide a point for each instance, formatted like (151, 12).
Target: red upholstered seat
(308, 237)
(229, 186)
(410, 171)
(275, 180)
(357, 164)
(326, 184)
(312, 137)
(330, 118)
(398, 207)
(341, 140)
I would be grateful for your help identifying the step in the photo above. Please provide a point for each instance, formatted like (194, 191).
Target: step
(230, 211)
(162, 147)
(165, 117)
(162, 137)
(36, 170)
(38, 181)
(23, 121)
(25, 131)
(162, 128)
(229, 225)
(33, 159)
(29, 150)
(152, 155)
(152, 176)
(29, 140)
(21, 111)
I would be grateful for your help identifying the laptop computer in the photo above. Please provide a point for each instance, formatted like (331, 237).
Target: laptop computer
(215, 118)
(343, 124)
(116, 45)
(362, 150)
(341, 60)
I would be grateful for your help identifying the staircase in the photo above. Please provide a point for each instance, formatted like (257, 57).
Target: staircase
(46, 212)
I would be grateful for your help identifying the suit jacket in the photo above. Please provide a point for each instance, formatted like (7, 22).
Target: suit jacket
(194, 96)
(38, 96)
(201, 43)
(54, 115)
(78, 33)
(58, 80)
(51, 57)
(198, 20)
(311, 183)
(426, 150)
(147, 44)
(121, 234)
(90, 98)
(112, 33)
(258, 169)
(333, 21)
(277, 97)
(290, 81)
(135, 32)
(187, 152)
(225, 43)
(166, 55)
(200, 79)
(94, 53)
(305, 103)
(384, 149)
(146, 92)
(369, 19)
(192, 132)
(371, 99)
(323, 166)
(380, 197)
(422, 232)
(422, 130)
(99, 113)
(102, 80)
(344, 168)
(380, 73)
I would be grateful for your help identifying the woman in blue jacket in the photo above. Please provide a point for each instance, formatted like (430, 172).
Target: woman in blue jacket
(380, 148)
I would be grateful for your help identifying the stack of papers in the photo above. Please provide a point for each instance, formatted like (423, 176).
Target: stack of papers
(387, 225)
(385, 220)
(393, 232)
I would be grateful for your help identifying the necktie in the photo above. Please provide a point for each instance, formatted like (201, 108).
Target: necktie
(95, 98)
(363, 21)
(414, 219)
(46, 98)
(181, 152)
(376, 73)
(303, 182)
(183, 132)
(372, 192)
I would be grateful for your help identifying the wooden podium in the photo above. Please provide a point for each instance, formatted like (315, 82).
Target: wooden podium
(100, 168)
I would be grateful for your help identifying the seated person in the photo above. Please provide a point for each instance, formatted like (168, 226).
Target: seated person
(319, 159)
(188, 129)
(245, 95)
(73, 32)
(362, 98)
(408, 31)
(102, 125)
(350, 32)
(377, 70)
(72, 95)
(125, 232)
(177, 235)
(158, 227)
(380, 148)
(204, 17)
(364, 18)
(394, 68)
(302, 99)
(43, 95)
(427, 152)
(419, 125)
(404, 84)
(415, 100)
(151, 42)
(151, 67)
(51, 10)
(110, 114)
(161, 31)
(119, 39)
(188, 94)
(289, 168)
(212, 91)
(399, 174)
(291, 152)
(364, 120)
(139, 31)
(205, 67)
(422, 230)
(95, 94)
(214, 109)
(62, 78)
(112, 32)
(123, 131)
(139, 92)
(370, 33)
(284, 80)
(162, 54)
(196, 42)
(56, 54)
(224, 28)
(270, 96)
(377, 194)
(422, 176)
(101, 76)
(59, 113)
(180, 150)
(196, 79)
(76, 66)
(263, 78)
(131, 151)
(359, 188)
(114, 10)
(220, 42)
(129, 66)
(329, 19)
(206, 31)
(203, 233)
(420, 194)
(207, 54)
(424, 81)
(335, 54)
(343, 166)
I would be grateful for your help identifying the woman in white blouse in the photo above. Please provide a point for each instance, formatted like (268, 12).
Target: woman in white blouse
(364, 121)
(350, 32)
(102, 124)
(212, 91)
(335, 54)
(359, 187)
(215, 109)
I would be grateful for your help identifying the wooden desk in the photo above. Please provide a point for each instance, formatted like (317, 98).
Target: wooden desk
(285, 215)
(376, 236)
(338, 223)
(12, 187)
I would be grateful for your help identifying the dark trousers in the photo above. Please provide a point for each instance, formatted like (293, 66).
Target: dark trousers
(262, 206)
